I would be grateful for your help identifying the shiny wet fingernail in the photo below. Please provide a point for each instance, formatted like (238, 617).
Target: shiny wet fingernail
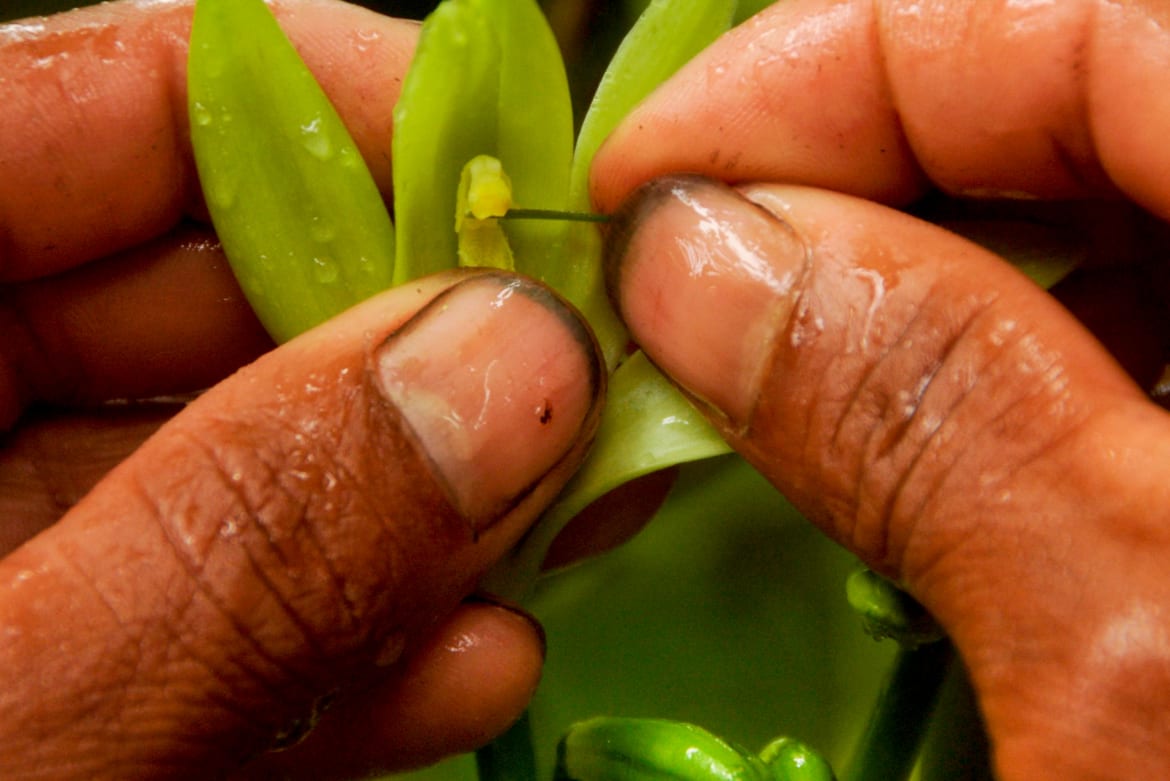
(705, 279)
(495, 378)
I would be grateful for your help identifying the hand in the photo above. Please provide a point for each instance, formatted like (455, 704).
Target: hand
(922, 402)
(184, 586)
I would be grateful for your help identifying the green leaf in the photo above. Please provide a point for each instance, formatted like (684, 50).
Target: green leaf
(535, 129)
(300, 217)
(487, 79)
(445, 116)
(648, 425)
(666, 36)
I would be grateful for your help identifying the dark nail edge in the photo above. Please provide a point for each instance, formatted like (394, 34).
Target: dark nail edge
(509, 606)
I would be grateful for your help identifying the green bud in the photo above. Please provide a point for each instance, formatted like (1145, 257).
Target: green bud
(889, 612)
(789, 759)
(626, 749)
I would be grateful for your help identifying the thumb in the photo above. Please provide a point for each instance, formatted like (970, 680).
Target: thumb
(941, 416)
(299, 527)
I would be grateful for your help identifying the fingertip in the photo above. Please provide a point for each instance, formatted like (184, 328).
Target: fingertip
(740, 111)
(705, 279)
(464, 687)
(301, 537)
(470, 682)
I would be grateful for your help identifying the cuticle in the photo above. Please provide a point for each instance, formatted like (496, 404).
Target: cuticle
(784, 321)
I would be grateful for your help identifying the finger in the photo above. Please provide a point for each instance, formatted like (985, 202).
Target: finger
(468, 684)
(163, 318)
(292, 531)
(877, 98)
(97, 156)
(52, 461)
(946, 420)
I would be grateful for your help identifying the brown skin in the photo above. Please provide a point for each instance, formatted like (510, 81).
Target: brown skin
(1033, 528)
(203, 581)
(285, 537)
(920, 401)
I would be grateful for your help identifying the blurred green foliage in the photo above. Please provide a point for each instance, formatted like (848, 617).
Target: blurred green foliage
(727, 611)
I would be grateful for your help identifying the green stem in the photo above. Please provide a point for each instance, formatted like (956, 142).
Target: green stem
(509, 757)
(554, 214)
(957, 748)
(889, 748)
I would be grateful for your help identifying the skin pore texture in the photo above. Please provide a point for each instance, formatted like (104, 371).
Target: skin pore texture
(213, 575)
(920, 401)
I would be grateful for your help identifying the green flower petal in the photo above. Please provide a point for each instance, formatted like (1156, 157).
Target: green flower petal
(300, 217)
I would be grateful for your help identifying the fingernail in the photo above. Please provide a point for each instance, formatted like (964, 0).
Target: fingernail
(496, 380)
(705, 280)
(514, 609)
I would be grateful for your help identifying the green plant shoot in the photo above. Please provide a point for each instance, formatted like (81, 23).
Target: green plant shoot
(791, 760)
(887, 611)
(301, 220)
(612, 748)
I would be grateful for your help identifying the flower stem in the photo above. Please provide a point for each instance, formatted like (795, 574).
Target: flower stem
(889, 747)
(957, 748)
(554, 214)
(509, 757)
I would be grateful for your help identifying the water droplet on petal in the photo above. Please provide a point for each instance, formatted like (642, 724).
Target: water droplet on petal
(348, 157)
(316, 141)
(322, 231)
(325, 270)
(213, 64)
(221, 192)
(200, 114)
